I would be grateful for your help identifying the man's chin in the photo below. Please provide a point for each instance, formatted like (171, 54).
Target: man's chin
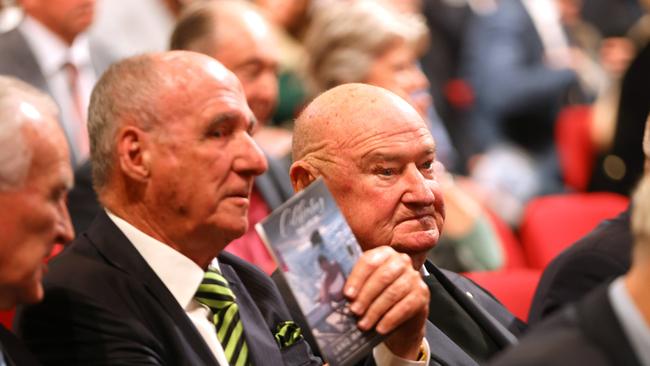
(416, 244)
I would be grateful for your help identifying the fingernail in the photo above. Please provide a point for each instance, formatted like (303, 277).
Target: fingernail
(350, 291)
(363, 324)
(356, 308)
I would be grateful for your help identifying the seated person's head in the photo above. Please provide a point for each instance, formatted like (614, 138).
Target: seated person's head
(365, 42)
(172, 151)
(377, 157)
(236, 34)
(35, 176)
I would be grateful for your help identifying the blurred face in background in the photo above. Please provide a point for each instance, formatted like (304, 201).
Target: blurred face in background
(66, 18)
(396, 69)
(247, 47)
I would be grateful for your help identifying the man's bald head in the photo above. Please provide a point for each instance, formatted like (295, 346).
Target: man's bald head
(377, 157)
(334, 119)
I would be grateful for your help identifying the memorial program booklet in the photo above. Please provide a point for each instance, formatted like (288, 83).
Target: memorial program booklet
(315, 251)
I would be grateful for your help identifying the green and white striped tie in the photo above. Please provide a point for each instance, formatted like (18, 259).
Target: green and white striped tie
(215, 294)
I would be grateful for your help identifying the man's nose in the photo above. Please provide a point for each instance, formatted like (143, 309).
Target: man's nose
(65, 231)
(251, 159)
(418, 187)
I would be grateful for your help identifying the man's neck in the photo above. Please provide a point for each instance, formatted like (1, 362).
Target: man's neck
(636, 282)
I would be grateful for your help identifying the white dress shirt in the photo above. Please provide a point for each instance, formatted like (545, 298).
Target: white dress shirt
(182, 278)
(51, 53)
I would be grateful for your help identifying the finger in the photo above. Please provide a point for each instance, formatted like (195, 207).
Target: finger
(412, 307)
(365, 266)
(380, 280)
(387, 298)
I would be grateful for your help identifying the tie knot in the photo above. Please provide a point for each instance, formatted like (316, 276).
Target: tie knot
(214, 291)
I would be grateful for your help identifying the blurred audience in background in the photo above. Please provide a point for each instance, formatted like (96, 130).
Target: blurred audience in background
(50, 50)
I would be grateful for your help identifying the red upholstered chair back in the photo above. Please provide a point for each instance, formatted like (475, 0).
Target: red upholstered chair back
(514, 288)
(574, 145)
(552, 223)
(512, 250)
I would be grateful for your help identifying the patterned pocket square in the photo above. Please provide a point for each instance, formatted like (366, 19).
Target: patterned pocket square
(287, 333)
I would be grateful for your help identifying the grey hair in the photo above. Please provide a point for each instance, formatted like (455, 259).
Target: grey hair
(344, 38)
(126, 91)
(19, 101)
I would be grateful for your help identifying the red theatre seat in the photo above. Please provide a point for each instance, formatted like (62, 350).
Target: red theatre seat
(574, 145)
(552, 223)
(513, 287)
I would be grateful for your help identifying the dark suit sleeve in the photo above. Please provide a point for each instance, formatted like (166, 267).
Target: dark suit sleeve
(569, 279)
(70, 329)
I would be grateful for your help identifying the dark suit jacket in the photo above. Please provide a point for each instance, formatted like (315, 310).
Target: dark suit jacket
(453, 338)
(15, 352)
(586, 333)
(274, 186)
(599, 257)
(104, 306)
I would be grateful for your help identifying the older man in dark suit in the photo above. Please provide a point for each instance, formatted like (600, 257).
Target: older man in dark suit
(173, 164)
(378, 159)
(35, 175)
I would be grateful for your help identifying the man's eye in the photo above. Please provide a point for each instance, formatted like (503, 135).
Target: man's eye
(386, 172)
(428, 165)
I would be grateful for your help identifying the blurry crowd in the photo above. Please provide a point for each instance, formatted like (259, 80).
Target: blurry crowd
(523, 98)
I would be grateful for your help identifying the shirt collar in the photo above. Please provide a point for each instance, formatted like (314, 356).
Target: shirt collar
(634, 325)
(178, 273)
(50, 51)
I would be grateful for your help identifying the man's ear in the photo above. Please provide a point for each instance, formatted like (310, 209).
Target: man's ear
(302, 174)
(133, 153)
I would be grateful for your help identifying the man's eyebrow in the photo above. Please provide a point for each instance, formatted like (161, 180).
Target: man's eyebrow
(390, 156)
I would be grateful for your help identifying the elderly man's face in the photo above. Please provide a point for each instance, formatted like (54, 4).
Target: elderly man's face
(247, 47)
(34, 216)
(383, 181)
(204, 159)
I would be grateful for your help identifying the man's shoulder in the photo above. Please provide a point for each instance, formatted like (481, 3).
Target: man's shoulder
(559, 341)
(587, 332)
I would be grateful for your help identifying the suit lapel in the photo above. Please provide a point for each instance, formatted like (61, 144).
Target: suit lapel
(261, 342)
(24, 62)
(111, 243)
(499, 334)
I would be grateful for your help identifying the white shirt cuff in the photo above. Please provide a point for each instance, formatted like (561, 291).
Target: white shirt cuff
(384, 357)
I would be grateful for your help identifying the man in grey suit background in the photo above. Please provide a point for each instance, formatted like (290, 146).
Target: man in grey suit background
(50, 50)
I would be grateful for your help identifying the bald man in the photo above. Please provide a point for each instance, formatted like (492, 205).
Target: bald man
(149, 283)
(237, 35)
(378, 159)
(35, 175)
(608, 326)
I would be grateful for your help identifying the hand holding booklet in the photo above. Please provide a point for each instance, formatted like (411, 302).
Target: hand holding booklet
(315, 251)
